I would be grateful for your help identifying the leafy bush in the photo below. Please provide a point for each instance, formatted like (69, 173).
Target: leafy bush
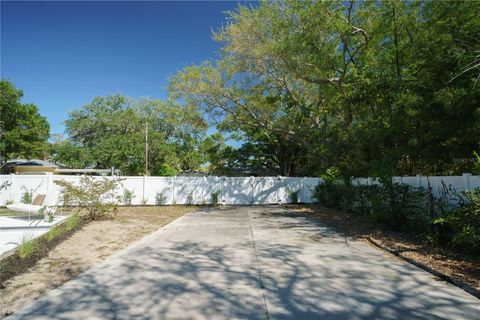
(293, 196)
(27, 196)
(161, 197)
(397, 206)
(128, 196)
(165, 170)
(449, 218)
(96, 196)
(463, 222)
(476, 163)
(214, 197)
(190, 198)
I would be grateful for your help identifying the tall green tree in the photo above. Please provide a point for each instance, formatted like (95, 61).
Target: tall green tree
(110, 131)
(364, 86)
(23, 131)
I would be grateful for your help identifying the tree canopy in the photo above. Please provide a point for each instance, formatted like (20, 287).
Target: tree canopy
(23, 131)
(374, 88)
(110, 131)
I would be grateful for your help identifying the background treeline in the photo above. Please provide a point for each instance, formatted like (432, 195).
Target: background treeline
(372, 88)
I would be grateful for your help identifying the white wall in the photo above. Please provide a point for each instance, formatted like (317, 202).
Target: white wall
(177, 190)
(233, 190)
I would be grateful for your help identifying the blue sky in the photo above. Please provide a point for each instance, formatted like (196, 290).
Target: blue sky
(62, 54)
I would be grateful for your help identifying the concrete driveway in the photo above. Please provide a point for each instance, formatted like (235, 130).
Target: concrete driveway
(252, 263)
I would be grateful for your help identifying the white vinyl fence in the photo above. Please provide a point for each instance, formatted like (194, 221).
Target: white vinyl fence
(199, 190)
(174, 190)
(461, 183)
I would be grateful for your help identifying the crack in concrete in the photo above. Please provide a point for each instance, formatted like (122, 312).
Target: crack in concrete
(262, 287)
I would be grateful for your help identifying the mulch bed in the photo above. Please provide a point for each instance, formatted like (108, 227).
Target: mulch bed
(455, 267)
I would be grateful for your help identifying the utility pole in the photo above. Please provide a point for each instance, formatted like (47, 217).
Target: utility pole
(146, 148)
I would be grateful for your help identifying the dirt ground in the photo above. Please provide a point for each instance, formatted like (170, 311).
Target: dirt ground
(93, 243)
(463, 269)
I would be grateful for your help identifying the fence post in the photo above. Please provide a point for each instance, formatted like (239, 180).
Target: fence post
(419, 181)
(12, 187)
(144, 182)
(252, 190)
(223, 181)
(173, 191)
(466, 178)
(279, 184)
(49, 181)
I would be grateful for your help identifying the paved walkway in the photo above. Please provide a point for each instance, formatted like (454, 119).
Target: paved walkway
(252, 263)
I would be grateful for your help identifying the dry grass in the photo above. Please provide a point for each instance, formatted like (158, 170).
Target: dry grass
(462, 268)
(93, 243)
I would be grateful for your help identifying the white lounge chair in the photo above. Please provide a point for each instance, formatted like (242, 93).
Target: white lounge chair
(37, 206)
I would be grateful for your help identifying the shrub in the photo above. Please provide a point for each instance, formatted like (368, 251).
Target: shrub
(161, 197)
(293, 196)
(190, 198)
(476, 163)
(396, 206)
(96, 196)
(215, 195)
(165, 170)
(463, 222)
(128, 196)
(27, 196)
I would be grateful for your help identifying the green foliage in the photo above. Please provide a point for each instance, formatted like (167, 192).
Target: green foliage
(476, 165)
(110, 131)
(127, 197)
(27, 196)
(462, 224)
(293, 196)
(27, 247)
(73, 221)
(396, 206)
(23, 131)
(214, 197)
(161, 197)
(355, 84)
(95, 196)
(165, 170)
(53, 233)
(190, 198)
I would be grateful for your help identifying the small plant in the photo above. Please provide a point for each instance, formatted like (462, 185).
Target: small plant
(476, 163)
(73, 221)
(144, 201)
(47, 213)
(190, 198)
(214, 197)
(26, 196)
(463, 223)
(27, 246)
(53, 233)
(161, 197)
(128, 196)
(5, 185)
(96, 197)
(293, 195)
(9, 202)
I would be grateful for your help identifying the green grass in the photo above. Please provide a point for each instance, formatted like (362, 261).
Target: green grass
(53, 233)
(27, 247)
(72, 221)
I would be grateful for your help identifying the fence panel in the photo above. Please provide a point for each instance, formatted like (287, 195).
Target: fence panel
(199, 190)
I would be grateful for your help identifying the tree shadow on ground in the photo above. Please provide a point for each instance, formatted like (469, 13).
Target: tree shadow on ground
(301, 271)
